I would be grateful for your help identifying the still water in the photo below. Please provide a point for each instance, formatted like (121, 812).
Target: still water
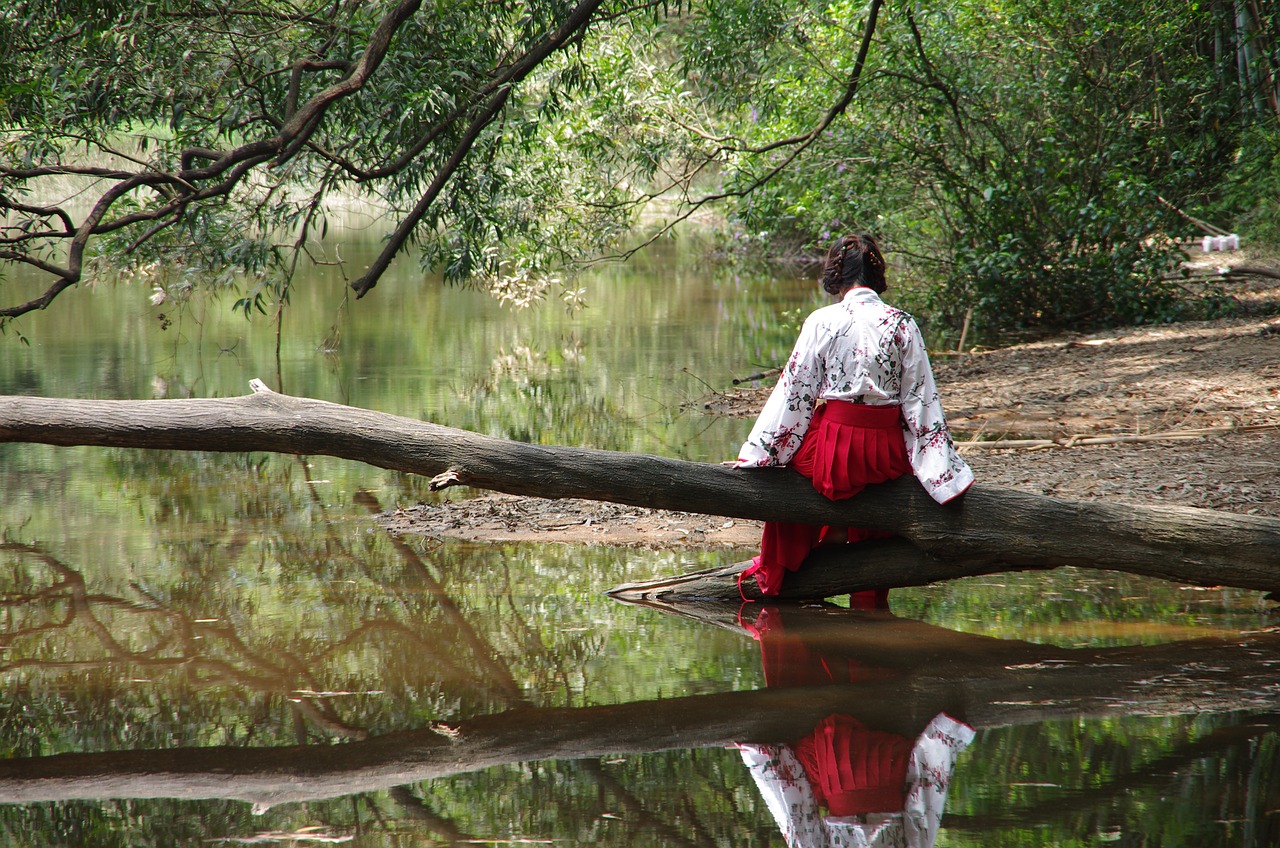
(229, 649)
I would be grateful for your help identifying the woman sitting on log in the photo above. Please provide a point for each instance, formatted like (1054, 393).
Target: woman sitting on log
(855, 404)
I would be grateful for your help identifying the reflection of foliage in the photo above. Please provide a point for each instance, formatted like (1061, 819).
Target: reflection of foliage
(370, 631)
(57, 626)
(685, 798)
(127, 824)
(1077, 608)
(306, 597)
(1067, 780)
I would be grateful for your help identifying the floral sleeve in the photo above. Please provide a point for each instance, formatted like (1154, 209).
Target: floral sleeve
(780, 429)
(934, 459)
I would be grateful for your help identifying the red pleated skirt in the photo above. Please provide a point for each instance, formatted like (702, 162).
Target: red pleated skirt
(848, 446)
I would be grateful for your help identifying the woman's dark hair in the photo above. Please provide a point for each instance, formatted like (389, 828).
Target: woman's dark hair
(854, 261)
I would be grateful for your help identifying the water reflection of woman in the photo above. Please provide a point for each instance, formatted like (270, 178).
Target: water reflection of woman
(844, 784)
(855, 404)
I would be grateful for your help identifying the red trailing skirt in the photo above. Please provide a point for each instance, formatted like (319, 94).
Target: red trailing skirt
(847, 447)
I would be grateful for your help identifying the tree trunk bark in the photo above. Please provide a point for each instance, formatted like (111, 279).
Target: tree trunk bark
(989, 529)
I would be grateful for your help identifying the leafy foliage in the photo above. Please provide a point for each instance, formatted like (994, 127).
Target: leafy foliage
(1026, 159)
(1022, 158)
(215, 136)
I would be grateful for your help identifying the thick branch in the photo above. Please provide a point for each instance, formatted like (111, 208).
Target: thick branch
(235, 163)
(68, 225)
(370, 59)
(987, 526)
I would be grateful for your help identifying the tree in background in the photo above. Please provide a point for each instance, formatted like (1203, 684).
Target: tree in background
(1251, 195)
(1024, 159)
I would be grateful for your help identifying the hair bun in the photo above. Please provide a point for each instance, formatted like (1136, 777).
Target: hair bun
(863, 265)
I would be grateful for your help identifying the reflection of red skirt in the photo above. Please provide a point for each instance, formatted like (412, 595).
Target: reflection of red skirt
(853, 770)
(789, 660)
(847, 447)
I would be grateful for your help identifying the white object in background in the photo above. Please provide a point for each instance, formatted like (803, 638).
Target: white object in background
(1230, 242)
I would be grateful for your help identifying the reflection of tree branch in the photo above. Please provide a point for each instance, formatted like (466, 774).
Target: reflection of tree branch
(976, 679)
(51, 593)
(438, 652)
(416, 808)
(190, 640)
(72, 588)
(323, 715)
(273, 775)
(185, 646)
(637, 816)
(483, 652)
(556, 663)
(1157, 773)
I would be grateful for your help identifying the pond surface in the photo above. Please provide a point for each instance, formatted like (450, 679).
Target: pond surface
(228, 649)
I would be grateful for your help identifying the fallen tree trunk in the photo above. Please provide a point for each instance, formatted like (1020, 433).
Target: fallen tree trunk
(989, 528)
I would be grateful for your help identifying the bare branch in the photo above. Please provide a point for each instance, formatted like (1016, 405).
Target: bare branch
(64, 171)
(800, 142)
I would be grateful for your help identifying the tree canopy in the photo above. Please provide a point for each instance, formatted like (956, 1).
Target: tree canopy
(1026, 161)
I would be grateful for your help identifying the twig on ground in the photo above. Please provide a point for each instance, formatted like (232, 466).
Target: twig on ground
(1079, 439)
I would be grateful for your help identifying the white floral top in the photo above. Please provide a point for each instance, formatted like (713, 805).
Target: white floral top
(786, 790)
(864, 351)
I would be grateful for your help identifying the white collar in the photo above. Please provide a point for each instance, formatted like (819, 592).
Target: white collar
(860, 293)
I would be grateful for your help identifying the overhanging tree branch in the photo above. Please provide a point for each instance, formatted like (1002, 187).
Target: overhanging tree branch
(573, 25)
(235, 163)
(799, 143)
(404, 231)
(293, 132)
